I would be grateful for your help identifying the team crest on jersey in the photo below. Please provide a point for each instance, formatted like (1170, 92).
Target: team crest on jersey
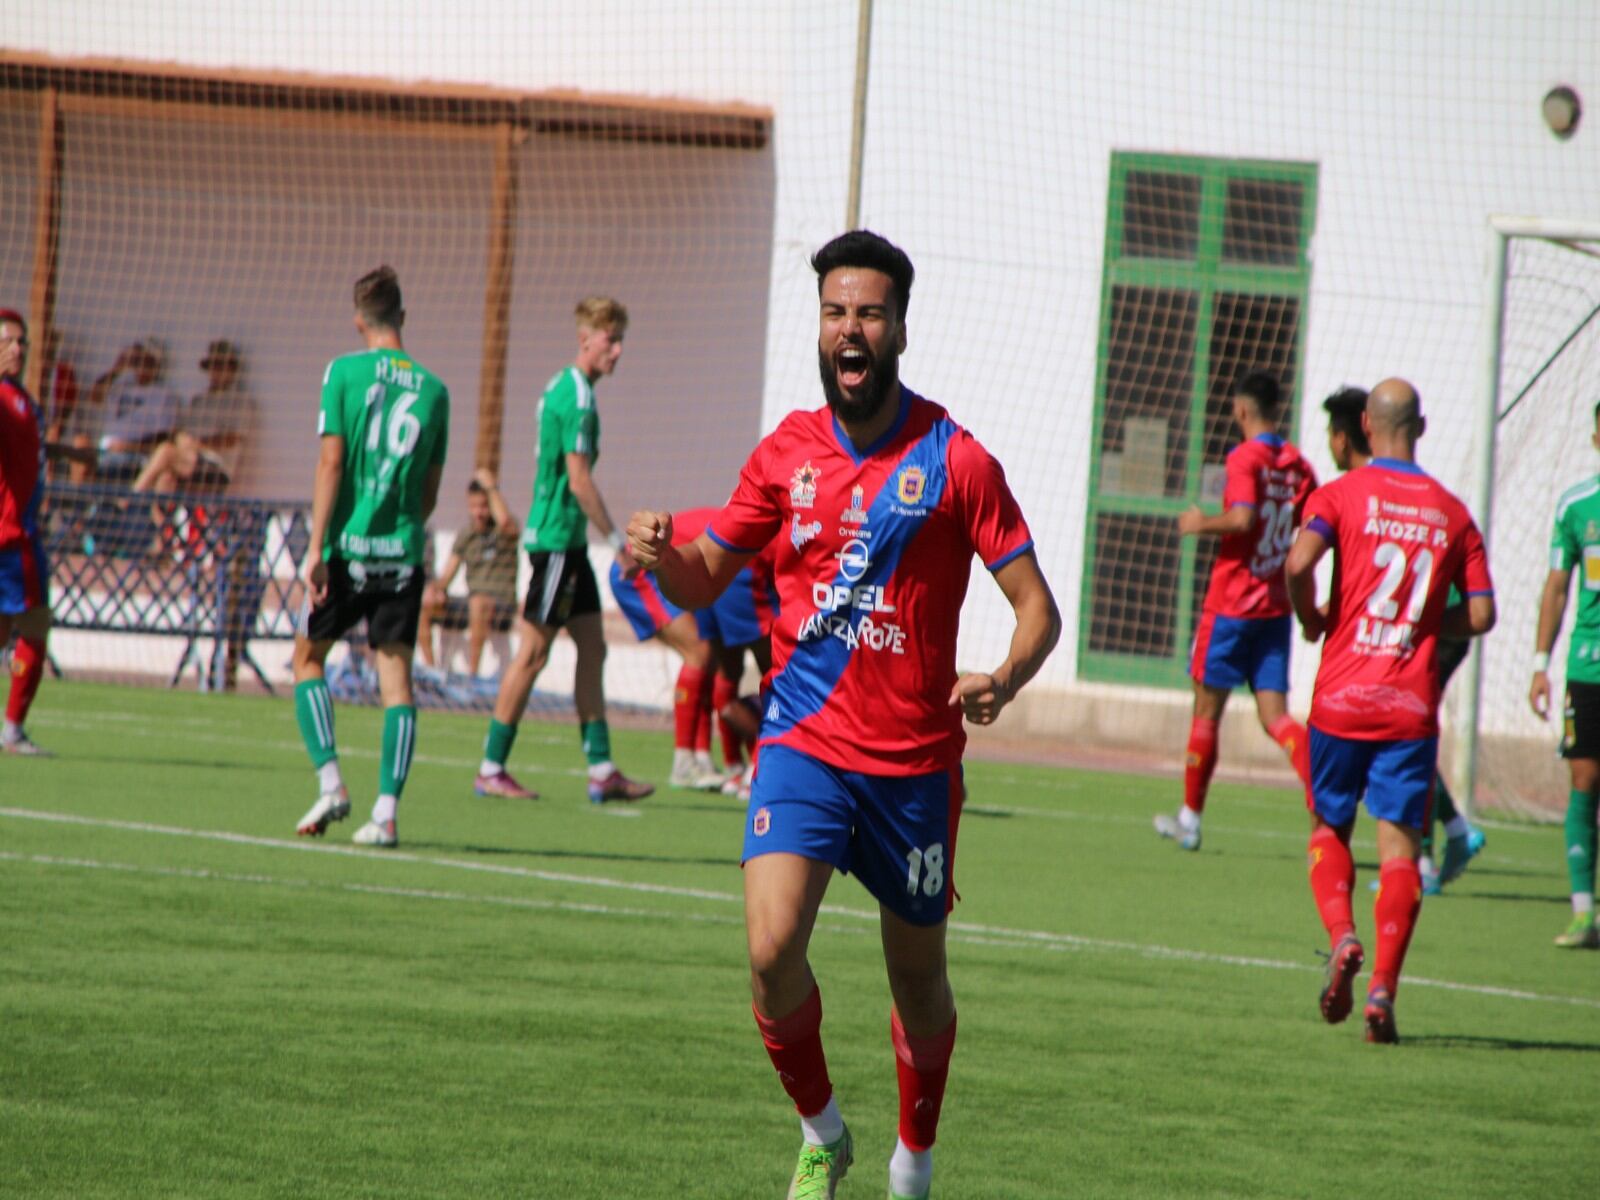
(801, 533)
(803, 486)
(855, 514)
(761, 822)
(1591, 532)
(910, 485)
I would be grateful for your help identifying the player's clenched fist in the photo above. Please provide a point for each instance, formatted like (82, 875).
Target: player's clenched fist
(980, 696)
(649, 537)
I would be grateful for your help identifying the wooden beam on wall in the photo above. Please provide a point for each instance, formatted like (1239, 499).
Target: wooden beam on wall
(497, 296)
(46, 237)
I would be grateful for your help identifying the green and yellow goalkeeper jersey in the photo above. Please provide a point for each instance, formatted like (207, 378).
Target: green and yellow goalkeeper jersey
(569, 423)
(394, 417)
(1576, 543)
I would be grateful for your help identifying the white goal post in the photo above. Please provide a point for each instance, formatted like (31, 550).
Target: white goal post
(1553, 357)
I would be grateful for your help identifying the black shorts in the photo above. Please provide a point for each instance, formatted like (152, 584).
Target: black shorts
(1580, 736)
(563, 586)
(388, 597)
(1452, 653)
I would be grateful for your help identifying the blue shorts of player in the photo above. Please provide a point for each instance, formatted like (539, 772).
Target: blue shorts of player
(1229, 651)
(24, 578)
(741, 615)
(896, 833)
(641, 601)
(1397, 777)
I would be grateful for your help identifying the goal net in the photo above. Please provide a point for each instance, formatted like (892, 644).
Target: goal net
(1544, 360)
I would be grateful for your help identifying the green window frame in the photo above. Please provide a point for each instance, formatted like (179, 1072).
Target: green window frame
(1207, 271)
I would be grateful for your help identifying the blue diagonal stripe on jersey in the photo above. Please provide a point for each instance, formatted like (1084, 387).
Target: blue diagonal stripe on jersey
(802, 688)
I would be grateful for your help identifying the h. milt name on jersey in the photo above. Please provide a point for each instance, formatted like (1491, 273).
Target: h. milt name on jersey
(397, 370)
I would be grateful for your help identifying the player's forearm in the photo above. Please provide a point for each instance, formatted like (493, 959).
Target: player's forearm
(1303, 595)
(684, 577)
(1037, 632)
(1552, 610)
(323, 493)
(1237, 519)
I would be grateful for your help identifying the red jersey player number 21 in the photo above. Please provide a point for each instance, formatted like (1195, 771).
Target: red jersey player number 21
(1400, 540)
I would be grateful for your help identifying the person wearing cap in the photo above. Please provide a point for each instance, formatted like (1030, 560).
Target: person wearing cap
(136, 413)
(212, 433)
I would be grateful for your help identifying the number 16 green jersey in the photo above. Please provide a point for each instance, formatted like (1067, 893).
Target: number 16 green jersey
(394, 416)
(1575, 542)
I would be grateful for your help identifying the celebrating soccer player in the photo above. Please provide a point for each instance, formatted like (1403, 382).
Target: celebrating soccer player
(1347, 443)
(1576, 539)
(1400, 541)
(563, 592)
(1244, 631)
(24, 575)
(384, 427)
(879, 501)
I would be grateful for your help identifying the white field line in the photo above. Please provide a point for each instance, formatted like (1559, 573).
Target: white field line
(960, 931)
(346, 750)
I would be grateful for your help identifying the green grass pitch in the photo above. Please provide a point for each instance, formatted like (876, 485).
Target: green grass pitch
(549, 999)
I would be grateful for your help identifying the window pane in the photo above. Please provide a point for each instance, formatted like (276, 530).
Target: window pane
(1161, 215)
(1149, 381)
(1247, 332)
(1261, 222)
(1133, 602)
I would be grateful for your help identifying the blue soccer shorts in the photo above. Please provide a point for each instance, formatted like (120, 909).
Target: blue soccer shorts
(1395, 776)
(641, 601)
(1229, 651)
(895, 833)
(24, 578)
(742, 614)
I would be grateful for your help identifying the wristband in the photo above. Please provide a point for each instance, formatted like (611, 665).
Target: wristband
(617, 540)
(1541, 661)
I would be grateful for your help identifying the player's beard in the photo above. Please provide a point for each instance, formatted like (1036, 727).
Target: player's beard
(883, 372)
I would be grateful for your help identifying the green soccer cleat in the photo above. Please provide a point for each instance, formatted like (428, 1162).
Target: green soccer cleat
(1582, 934)
(821, 1168)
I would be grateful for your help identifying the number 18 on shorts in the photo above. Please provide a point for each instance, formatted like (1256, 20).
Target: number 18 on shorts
(897, 834)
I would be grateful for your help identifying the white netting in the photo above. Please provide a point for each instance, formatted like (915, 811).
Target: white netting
(1112, 209)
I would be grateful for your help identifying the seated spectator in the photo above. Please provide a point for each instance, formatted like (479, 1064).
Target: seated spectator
(487, 547)
(135, 414)
(204, 454)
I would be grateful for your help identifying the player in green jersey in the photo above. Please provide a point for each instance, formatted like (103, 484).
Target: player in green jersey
(563, 592)
(384, 426)
(1574, 542)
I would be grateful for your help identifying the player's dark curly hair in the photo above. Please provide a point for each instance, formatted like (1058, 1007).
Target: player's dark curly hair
(1344, 409)
(1264, 389)
(863, 248)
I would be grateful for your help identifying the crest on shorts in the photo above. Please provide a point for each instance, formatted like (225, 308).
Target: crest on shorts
(913, 481)
(761, 822)
(803, 485)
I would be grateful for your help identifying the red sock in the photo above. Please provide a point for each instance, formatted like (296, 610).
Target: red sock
(723, 693)
(27, 669)
(702, 714)
(1395, 914)
(1200, 763)
(1333, 876)
(794, 1043)
(686, 706)
(1296, 743)
(922, 1065)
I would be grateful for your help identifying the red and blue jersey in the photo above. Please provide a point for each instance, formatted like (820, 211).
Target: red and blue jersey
(1268, 475)
(873, 553)
(1400, 540)
(21, 464)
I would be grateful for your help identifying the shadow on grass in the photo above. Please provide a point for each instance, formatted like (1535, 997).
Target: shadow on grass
(1463, 1041)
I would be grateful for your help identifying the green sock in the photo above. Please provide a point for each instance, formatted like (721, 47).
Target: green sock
(1444, 810)
(313, 709)
(497, 746)
(596, 741)
(399, 740)
(1581, 837)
